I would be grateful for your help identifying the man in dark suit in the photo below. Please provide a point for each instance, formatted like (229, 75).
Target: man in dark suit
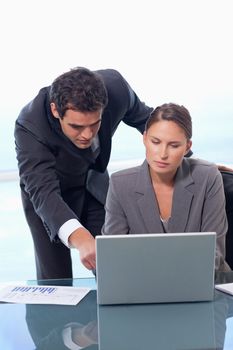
(63, 144)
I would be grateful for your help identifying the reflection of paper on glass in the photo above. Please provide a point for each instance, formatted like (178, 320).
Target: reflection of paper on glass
(226, 288)
(39, 294)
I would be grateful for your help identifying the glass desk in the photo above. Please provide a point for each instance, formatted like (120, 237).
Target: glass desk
(183, 326)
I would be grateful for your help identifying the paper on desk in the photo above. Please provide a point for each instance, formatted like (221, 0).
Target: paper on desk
(41, 294)
(226, 288)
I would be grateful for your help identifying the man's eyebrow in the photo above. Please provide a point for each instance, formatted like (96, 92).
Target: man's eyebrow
(83, 126)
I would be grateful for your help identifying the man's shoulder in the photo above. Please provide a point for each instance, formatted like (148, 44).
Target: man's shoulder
(36, 105)
(34, 117)
(110, 73)
(113, 80)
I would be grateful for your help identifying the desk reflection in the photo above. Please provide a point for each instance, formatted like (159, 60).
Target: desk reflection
(164, 326)
(63, 327)
(196, 326)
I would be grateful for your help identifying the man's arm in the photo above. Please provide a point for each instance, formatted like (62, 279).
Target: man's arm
(39, 180)
(124, 103)
(224, 168)
(138, 112)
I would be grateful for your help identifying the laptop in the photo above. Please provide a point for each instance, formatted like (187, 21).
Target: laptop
(155, 268)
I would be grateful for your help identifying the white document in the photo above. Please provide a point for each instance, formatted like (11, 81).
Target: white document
(226, 288)
(42, 294)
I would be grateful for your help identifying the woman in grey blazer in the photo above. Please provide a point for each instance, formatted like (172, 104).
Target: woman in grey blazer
(168, 192)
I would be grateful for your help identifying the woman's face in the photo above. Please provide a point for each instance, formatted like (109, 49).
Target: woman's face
(166, 144)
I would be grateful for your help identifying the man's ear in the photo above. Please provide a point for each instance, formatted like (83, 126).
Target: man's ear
(54, 110)
(189, 145)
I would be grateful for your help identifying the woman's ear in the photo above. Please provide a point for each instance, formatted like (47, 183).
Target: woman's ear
(54, 110)
(144, 138)
(188, 147)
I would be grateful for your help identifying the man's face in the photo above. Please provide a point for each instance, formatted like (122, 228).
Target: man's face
(79, 127)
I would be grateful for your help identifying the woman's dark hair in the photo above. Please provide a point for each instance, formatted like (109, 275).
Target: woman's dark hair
(79, 89)
(172, 112)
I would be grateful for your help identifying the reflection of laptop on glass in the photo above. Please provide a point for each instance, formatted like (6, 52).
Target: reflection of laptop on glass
(155, 268)
(160, 326)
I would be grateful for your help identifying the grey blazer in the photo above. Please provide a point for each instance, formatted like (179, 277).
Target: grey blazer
(198, 203)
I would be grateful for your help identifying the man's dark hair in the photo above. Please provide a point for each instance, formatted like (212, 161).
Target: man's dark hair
(172, 112)
(79, 89)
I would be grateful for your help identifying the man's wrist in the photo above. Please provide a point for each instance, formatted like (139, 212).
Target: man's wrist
(66, 229)
(79, 237)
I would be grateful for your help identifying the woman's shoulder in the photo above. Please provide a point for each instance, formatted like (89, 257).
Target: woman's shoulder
(200, 163)
(202, 168)
(126, 173)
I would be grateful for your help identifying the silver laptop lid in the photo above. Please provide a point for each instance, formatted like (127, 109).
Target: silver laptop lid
(155, 268)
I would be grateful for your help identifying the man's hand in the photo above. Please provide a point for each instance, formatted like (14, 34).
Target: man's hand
(85, 336)
(224, 168)
(82, 240)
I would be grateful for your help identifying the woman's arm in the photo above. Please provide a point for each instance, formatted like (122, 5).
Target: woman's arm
(115, 219)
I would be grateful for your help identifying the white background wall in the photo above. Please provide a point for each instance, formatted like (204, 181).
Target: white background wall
(169, 50)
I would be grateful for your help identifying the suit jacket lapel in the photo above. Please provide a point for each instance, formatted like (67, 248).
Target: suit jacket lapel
(146, 201)
(182, 199)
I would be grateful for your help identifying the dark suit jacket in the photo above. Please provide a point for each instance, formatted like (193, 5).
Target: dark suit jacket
(198, 203)
(51, 168)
